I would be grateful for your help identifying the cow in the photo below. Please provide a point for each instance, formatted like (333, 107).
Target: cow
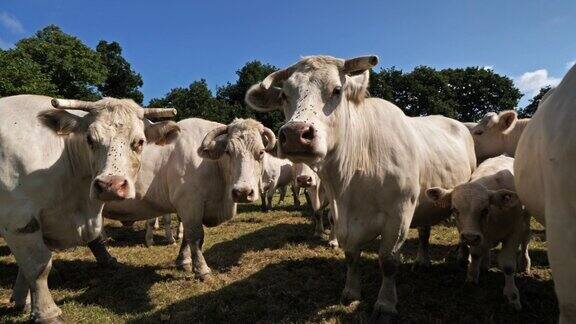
(201, 176)
(154, 223)
(497, 134)
(488, 212)
(57, 168)
(546, 184)
(277, 174)
(317, 199)
(373, 160)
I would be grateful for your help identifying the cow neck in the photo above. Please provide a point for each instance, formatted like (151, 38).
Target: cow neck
(511, 139)
(77, 155)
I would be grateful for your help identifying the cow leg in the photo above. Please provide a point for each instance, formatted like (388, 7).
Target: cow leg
(393, 235)
(318, 223)
(332, 240)
(150, 226)
(423, 257)
(35, 261)
(21, 293)
(168, 229)
(351, 290)
(270, 196)
(180, 230)
(200, 267)
(282, 194)
(463, 255)
(296, 195)
(524, 257)
(474, 266)
(100, 252)
(507, 263)
(308, 200)
(263, 197)
(184, 259)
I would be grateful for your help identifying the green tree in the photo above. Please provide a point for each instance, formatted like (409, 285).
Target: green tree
(476, 91)
(530, 109)
(122, 81)
(21, 75)
(74, 68)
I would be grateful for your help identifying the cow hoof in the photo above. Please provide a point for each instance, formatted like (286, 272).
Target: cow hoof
(333, 244)
(318, 234)
(149, 243)
(207, 277)
(423, 267)
(23, 309)
(348, 297)
(171, 241)
(54, 320)
(516, 305)
(187, 267)
(383, 314)
(110, 263)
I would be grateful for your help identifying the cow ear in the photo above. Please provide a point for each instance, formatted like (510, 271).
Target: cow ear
(504, 199)
(60, 121)
(214, 150)
(441, 197)
(264, 99)
(161, 133)
(356, 86)
(507, 120)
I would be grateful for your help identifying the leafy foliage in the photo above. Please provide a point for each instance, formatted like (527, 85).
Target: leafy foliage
(530, 110)
(122, 81)
(20, 74)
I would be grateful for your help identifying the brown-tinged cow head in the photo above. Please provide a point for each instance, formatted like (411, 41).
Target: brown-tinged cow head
(110, 137)
(490, 132)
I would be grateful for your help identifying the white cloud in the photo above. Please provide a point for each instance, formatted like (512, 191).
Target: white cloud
(531, 82)
(11, 23)
(570, 64)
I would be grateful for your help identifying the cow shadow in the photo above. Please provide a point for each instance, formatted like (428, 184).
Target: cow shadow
(123, 290)
(224, 255)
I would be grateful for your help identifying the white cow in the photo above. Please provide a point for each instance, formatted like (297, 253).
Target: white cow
(546, 184)
(488, 212)
(318, 199)
(277, 174)
(497, 134)
(202, 176)
(56, 170)
(373, 160)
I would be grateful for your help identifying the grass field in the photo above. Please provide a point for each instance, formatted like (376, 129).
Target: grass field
(267, 267)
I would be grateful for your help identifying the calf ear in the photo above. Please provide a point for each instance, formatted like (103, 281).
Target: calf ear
(261, 99)
(504, 199)
(507, 120)
(162, 133)
(441, 197)
(60, 121)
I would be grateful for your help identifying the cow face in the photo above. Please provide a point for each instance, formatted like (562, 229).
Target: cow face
(109, 139)
(241, 145)
(304, 176)
(311, 93)
(490, 132)
(472, 204)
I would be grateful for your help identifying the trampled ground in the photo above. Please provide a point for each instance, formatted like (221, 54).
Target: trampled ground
(267, 267)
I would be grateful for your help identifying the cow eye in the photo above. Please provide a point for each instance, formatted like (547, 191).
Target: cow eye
(337, 91)
(261, 155)
(478, 132)
(138, 145)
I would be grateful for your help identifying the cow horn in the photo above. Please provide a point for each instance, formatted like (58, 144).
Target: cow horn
(160, 112)
(277, 76)
(73, 104)
(268, 134)
(359, 64)
(209, 138)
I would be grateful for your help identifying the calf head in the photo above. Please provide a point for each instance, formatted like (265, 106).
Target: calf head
(241, 145)
(109, 140)
(472, 205)
(490, 132)
(310, 93)
(304, 176)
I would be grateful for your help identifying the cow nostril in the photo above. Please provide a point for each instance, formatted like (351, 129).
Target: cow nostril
(99, 185)
(308, 134)
(251, 193)
(124, 184)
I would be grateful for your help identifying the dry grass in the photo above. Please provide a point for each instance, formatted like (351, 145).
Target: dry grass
(269, 268)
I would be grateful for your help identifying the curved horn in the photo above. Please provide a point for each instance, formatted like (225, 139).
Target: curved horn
(160, 112)
(277, 76)
(270, 138)
(73, 104)
(361, 63)
(209, 138)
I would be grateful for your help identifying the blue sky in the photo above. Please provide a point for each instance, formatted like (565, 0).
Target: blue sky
(172, 43)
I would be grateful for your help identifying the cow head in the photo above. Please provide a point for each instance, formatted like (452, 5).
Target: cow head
(304, 176)
(242, 144)
(110, 138)
(310, 93)
(471, 205)
(490, 132)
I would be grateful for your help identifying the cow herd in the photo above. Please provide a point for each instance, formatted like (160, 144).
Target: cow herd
(64, 164)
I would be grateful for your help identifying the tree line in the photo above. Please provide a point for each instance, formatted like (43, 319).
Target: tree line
(54, 63)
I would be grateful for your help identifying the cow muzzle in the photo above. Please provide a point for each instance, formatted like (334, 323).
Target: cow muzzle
(297, 138)
(243, 195)
(304, 181)
(109, 188)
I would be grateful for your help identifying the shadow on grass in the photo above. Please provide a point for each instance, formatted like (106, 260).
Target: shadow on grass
(5, 250)
(123, 290)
